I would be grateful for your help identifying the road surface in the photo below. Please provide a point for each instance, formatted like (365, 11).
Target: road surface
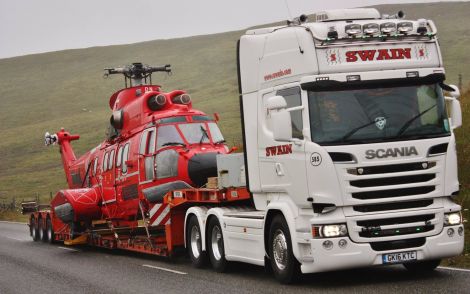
(35, 267)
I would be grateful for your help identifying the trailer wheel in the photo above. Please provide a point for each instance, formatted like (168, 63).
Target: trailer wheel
(49, 231)
(194, 243)
(33, 229)
(40, 229)
(285, 266)
(215, 243)
(422, 266)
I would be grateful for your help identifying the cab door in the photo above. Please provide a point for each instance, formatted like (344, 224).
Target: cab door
(282, 163)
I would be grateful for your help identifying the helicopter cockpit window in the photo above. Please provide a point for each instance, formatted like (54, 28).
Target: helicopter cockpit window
(195, 132)
(168, 135)
(105, 161)
(119, 156)
(216, 134)
(201, 118)
(125, 157)
(175, 119)
(111, 159)
(95, 166)
(147, 142)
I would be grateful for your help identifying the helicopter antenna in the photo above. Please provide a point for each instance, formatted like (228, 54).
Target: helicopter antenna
(137, 73)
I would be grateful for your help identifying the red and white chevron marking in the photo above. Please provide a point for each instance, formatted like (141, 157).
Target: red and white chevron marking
(160, 215)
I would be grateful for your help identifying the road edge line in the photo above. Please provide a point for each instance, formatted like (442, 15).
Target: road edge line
(454, 269)
(164, 269)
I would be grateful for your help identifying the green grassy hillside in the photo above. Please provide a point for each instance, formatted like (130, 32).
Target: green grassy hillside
(65, 89)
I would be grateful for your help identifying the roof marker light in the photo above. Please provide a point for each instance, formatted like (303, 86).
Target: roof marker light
(370, 28)
(405, 27)
(388, 28)
(353, 29)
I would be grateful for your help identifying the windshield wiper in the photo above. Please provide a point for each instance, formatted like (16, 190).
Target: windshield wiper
(220, 141)
(173, 144)
(410, 121)
(353, 131)
(204, 134)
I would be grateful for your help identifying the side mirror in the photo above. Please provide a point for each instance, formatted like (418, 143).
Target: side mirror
(455, 111)
(280, 118)
(455, 93)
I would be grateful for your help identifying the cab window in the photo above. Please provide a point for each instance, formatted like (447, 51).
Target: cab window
(125, 157)
(293, 99)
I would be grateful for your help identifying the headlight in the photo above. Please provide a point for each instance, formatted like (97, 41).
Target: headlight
(329, 231)
(452, 219)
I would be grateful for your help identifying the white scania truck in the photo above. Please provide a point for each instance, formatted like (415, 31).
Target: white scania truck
(350, 154)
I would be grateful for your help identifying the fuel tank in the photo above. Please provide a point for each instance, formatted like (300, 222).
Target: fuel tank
(73, 205)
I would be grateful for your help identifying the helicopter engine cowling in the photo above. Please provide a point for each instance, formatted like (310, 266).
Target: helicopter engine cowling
(74, 205)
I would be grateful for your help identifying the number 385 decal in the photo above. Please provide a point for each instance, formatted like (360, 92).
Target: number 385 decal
(315, 159)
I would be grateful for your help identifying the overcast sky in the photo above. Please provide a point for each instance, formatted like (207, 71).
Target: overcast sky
(33, 26)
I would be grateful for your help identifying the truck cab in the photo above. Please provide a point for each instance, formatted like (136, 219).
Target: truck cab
(349, 139)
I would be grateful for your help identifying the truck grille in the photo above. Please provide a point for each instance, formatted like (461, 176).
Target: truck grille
(393, 168)
(393, 205)
(392, 181)
(393, 193)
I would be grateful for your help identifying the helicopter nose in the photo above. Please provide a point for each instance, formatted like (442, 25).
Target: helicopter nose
(202, 166)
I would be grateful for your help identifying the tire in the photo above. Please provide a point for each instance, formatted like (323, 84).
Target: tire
(215, 245)
(424, 266)
(40, 229)
(33, 229)
(49, 231)
(43, 231)
(194, 243)
(284, 265)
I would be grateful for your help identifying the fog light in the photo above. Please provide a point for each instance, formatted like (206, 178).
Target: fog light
(327, 244)
(460, 231)
(450, 232)
(342, 243)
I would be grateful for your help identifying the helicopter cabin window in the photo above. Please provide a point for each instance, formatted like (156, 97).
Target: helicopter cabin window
(125, 157)
(168, 136)
(293, 99)
(111, 159)
(105, 161)
(167, 164)
(147, 142)
(119, 156)
(95, 166)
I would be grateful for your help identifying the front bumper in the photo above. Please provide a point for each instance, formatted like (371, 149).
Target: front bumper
(315, 258)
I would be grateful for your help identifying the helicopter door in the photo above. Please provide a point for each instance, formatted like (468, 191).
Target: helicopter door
(107, 167)
(146, 156)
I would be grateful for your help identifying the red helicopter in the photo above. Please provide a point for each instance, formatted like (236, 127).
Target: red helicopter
(156, 142)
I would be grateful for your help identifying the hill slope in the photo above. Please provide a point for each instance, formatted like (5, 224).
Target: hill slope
(65, 89)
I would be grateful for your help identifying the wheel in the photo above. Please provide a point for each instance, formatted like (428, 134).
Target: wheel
(285, 266)
(423, 266)
(43, 231)
(33, 229)
(40, 229)
(215, 244)
(49, 231)
(194, 243)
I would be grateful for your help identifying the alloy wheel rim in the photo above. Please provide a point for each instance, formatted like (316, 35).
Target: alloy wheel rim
(216, 241)
(280, 249)
(195, 241)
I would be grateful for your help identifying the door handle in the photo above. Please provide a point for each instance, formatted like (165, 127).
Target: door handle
(279, 169)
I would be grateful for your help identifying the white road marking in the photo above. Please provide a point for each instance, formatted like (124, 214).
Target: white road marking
(17, 239)
(165, 269)
(454, 269)
(69, 249)
(18, 223)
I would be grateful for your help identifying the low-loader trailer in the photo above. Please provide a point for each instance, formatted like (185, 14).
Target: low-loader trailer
(349, 159)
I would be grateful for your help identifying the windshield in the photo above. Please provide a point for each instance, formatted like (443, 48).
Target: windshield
(378, 114)
(199, 132)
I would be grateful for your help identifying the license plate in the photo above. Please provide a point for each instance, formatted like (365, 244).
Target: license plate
(399, 257)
